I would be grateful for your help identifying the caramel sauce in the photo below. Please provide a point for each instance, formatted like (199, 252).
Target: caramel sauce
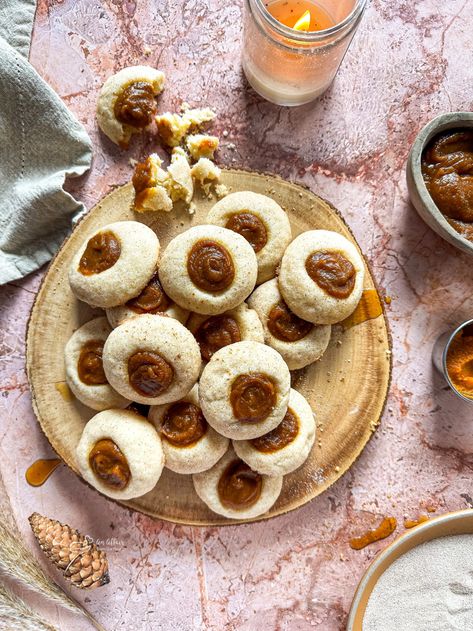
(183, 424)
(239, 486)
(216, 332)
(64, 390)
(143, 176)
(447, 169)
(285, 325)
(135, 104)
(332, 272)
(385, 529)
(460, 362)
(138, 408)
(412, 523)
(39, 471)
(149, 373)
(368, 308)
(90, 365)
(250, 227)
(253, 397)
(152, 299)
(109, 464)
(210, 266)
(280, 436)
(102, 252)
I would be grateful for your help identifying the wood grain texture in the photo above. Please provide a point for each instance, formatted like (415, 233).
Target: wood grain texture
(347, 389)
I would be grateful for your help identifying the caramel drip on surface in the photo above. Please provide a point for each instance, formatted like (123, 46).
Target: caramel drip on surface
(64, 390)
(39, 471)
(368, 308)
(385, 528)
(411, 523)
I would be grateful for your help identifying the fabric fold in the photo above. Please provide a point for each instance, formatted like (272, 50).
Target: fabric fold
(42, 143)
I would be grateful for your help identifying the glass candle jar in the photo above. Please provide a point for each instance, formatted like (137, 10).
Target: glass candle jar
(289, 66)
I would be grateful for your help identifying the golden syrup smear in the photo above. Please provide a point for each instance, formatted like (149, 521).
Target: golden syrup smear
(385, 528)
(39, 471)
(64, 391)
(412, 523)
(368, 308)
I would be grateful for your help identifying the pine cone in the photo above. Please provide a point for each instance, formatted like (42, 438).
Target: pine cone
(79, 559)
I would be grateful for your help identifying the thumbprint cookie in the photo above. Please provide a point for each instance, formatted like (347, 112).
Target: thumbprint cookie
(151, 359)
(321, 276)
(300, 342)
(261, 221)
(114, 264)
(244, 390)
(85, 375)
(208, 269)
(127, 102)
(287, 446)
(120, 454)
(190, 445)
(232, 489)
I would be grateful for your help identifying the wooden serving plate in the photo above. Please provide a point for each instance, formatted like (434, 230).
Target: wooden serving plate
(347, 388)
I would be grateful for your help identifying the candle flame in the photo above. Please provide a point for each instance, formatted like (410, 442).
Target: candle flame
(303, 23)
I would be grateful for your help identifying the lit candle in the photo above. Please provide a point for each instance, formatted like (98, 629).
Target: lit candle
(292, 49)
(299, 13)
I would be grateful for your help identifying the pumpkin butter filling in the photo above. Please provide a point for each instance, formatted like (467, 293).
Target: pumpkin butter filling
(280, 437)
(460, 362)
(216, 332)
(90, 365)
(332, 272)
(253, 397)
(183, 424)
(101, 253)
(152, 299)
(149, 373)
(109, 464)
(135, 104)
(250, 227)
(239, 487)
(284, 325)
(210, 266)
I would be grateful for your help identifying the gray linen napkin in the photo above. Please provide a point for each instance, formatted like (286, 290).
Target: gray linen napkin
(41, 143)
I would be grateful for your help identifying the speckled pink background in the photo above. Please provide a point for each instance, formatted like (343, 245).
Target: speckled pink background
(410, 60)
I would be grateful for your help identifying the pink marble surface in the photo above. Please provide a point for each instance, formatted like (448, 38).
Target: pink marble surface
(410, 61)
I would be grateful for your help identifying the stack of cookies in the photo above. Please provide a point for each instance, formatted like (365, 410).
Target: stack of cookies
(201, 339)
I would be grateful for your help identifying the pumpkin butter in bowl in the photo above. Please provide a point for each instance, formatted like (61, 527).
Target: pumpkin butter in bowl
(440, 177)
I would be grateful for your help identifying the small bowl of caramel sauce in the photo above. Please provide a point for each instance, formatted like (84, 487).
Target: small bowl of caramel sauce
(440, 177)
(453, 357)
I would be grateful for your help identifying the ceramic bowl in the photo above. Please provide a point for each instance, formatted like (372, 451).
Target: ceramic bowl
(418, 192)
(459, 523)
